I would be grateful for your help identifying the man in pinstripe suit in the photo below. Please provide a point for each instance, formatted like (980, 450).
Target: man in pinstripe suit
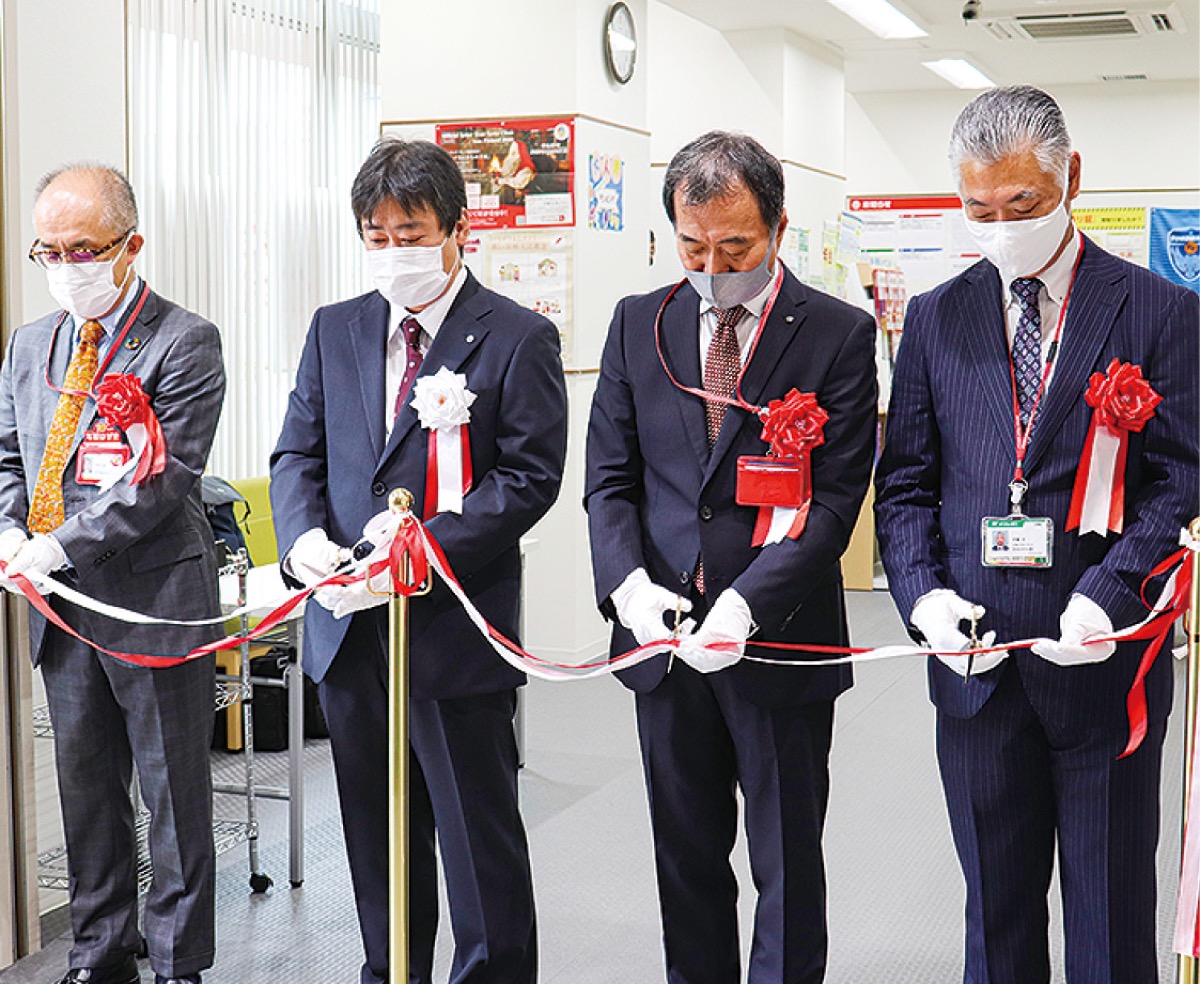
(1028, 744)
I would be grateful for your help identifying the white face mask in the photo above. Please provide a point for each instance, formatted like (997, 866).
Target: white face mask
(727, 290)
(87, 290)
(1024, 247)
(409, 276)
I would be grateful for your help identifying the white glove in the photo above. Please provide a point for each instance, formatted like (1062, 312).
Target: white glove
(938, 616)
(728, 621)
(11, 540)
(313, 557)
(1081, 620)
(641, 604)
(346, 599)
(37, 557)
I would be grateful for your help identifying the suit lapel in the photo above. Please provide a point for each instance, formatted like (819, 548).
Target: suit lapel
(680, 337)
(368, 341)
(1096, 298)
(459, 335)
(785, 320)
(978, 312)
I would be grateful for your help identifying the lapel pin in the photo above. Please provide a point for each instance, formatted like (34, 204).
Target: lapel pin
(470, 339)
(789, 319)
(133, 344)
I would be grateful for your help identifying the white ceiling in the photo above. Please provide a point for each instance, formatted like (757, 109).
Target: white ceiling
(873, 65)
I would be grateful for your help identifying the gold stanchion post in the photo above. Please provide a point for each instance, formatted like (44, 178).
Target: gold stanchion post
(400, 501)
(1189, 972)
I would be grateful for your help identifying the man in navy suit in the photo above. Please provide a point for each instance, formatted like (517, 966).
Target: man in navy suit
(351, 434)
(668, 535)
(1028, 744)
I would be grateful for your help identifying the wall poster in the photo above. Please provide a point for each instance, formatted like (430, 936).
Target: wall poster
(519, 173)
(606, 193)
(1175, 245)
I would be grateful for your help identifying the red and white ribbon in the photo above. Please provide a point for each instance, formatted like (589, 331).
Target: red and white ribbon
(121, 401)
(443, 405)
(1123, 402)
(777, 522)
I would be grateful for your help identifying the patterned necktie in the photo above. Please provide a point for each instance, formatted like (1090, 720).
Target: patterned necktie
(721, 367)
(1027, 344)
(412, 351)
(46, 512)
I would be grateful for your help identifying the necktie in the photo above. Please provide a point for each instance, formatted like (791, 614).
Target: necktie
(1027, 344)
(412, 351)
(46, 512)
(721, 367)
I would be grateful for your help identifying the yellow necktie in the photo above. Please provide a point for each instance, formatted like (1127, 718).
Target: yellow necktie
(46, 512)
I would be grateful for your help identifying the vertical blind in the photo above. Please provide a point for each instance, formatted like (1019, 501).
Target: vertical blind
(248, 120)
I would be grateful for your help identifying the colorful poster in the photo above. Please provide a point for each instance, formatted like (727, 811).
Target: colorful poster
(606, 193)
(1121, 231)
(533, 268)
(519, 173)
(1175, 245)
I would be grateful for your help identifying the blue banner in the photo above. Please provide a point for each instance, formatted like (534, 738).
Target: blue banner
(1175, 245)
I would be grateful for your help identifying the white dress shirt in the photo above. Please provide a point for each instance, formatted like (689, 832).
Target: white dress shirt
(109, 322)
(430, 319)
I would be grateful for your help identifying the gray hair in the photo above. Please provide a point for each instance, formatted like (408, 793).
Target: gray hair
(117, 198)
(1011, 120)
(712, 166)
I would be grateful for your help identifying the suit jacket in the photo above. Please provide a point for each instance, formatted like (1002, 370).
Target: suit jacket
(147, 547)
(657, 498)
(332, 469)
(950, 453)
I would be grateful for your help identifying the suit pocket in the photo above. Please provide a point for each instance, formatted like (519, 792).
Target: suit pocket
(163, 551)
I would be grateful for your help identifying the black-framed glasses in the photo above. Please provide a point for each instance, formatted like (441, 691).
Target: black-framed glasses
(48, 258)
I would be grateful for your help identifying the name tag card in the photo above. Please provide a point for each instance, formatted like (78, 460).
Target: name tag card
(1018, 541)
(102, 453)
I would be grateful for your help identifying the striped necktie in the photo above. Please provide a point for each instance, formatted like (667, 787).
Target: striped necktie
(46, 512)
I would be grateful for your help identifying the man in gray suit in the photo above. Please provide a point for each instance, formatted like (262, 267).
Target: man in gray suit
(143, 545)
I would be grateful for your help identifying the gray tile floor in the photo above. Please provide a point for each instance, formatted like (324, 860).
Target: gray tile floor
(895, 894)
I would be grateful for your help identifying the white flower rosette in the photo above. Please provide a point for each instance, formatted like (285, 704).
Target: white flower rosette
(443, 405)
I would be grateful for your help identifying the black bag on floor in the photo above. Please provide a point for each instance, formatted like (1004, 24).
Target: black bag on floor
(270, 707)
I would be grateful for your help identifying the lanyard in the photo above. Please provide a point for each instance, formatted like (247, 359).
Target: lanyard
(1021, 434)
(736, 400)
(112, 350)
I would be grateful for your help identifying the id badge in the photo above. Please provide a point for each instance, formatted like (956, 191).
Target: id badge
(1018, 541)
(770, 481)
(102, 453)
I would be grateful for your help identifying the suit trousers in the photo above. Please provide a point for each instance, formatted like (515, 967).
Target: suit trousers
(700, 740)
(462, 796)
(1015, 784)
(107, 717)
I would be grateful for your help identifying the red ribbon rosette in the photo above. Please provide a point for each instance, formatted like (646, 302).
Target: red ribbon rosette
(121, 401)
(781, 485)
(794, 425)
(1122, 403)
(1122, 398)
